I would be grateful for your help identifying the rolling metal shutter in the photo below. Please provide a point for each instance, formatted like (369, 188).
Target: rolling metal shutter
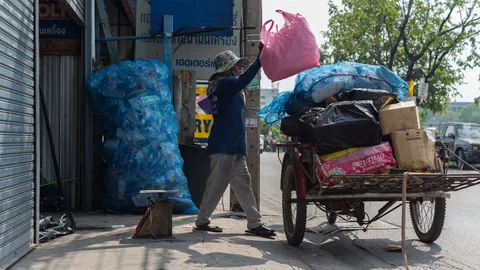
(17, 128)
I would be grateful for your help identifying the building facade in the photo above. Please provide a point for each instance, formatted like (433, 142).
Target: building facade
(458, 106)
(267, 96)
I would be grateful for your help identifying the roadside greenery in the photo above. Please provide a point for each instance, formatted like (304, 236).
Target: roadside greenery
(436, 40)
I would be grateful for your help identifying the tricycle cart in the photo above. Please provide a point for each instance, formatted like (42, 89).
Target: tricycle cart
(344, 196)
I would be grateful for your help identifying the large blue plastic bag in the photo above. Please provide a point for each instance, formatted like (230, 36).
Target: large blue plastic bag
(315, 85)
(285, 103)
(140, 131)
(345, 76)
(276, 110)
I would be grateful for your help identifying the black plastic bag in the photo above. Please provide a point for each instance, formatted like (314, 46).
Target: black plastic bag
(291, 125)
(342, 125)
(375, 95)
(50, 229)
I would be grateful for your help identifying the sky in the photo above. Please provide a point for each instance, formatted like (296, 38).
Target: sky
(316, 13)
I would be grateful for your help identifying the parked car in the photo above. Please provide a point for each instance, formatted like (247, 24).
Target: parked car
(463, 139)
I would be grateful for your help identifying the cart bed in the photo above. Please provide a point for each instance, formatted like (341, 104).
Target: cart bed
(392, 183)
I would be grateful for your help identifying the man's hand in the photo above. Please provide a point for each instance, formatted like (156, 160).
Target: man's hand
(260, 46)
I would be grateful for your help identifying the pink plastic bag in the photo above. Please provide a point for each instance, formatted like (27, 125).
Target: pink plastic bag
(368, 160)
(289, 51)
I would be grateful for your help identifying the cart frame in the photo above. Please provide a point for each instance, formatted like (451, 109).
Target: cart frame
(344, 195)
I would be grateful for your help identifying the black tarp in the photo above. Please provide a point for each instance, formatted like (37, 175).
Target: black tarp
(340, 126)
(375, 95)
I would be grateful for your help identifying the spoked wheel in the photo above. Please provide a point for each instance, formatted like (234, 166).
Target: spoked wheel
(294, 214)
(428, 218)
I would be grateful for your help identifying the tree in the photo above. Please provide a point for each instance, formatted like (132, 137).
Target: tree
(264, 128)
(448, 116)
(272, 132)
(434, 39)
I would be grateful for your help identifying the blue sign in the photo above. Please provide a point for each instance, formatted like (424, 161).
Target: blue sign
(193, 13)
(55, 22)
(59, 29)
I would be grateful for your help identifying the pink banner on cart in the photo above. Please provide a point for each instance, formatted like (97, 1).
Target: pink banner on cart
(367, 160)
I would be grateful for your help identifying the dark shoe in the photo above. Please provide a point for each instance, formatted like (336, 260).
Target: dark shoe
(262, 230)
(208, 228)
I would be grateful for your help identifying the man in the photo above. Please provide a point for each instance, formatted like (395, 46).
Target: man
(227, 143)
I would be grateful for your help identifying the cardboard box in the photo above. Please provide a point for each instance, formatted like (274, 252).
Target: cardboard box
(415, 149)
(399, 116)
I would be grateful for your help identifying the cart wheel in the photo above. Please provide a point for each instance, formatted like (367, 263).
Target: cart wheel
(331, 217)
(428, 218)
(294, 218)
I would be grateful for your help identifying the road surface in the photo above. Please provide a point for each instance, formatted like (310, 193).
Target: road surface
(456, 248)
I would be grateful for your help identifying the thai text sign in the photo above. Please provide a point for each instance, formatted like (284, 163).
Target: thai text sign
(58, 32)
(55, 22)
(194, 53)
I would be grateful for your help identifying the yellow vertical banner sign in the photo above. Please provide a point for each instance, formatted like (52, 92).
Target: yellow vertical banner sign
(203, 114)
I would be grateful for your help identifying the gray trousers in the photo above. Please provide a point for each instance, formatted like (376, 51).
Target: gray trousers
(227, 169)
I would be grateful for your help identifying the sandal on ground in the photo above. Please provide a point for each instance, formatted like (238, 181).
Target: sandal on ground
(262, 230)
(207, 228)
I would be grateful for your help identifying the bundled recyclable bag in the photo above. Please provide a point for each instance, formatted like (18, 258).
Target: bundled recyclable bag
(274, 112)
(289, 51)
(340, 126)
(291, 125)
(367, 160)
(333, 79)
(285, 103)
(346, 81)
(140, 129)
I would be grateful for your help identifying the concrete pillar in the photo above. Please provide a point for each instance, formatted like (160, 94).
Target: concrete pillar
(252, 16)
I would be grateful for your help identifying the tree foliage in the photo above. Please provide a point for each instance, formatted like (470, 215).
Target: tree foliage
(448, 116)
(470, 114)
(271, 132)
(434, 39)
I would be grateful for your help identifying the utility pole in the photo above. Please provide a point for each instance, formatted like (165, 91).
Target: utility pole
(252, 16)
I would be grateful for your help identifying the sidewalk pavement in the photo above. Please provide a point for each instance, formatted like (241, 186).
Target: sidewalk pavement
(95, 246)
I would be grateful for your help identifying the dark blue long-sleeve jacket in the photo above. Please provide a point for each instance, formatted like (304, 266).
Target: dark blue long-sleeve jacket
(228, 134)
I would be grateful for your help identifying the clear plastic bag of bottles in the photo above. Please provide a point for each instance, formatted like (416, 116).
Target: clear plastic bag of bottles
(140, 131)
